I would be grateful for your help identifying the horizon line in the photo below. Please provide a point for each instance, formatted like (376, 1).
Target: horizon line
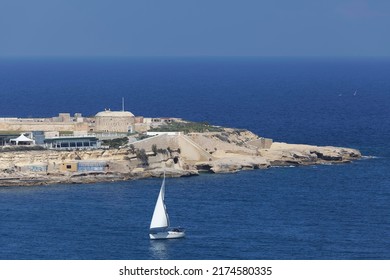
(196, 56)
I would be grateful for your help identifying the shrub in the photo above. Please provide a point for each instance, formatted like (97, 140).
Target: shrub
(21, 148)
(223, 138)
(143, 157)
(154, 149)
(116, 143)
(187, 127)
(132, 148)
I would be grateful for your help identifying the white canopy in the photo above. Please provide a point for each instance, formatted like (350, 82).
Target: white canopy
(22, 138)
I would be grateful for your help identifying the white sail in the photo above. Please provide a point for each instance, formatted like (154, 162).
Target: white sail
(160, 217)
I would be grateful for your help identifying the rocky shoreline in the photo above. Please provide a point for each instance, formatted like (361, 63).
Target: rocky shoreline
(187, 156)
(224, 151)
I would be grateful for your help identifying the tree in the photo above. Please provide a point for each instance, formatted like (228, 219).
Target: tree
(132, 148)
(154, 149)
(143, 157)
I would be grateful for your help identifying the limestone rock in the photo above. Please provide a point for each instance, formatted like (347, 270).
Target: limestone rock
(233, 164)
(202, 152)
(293, 154)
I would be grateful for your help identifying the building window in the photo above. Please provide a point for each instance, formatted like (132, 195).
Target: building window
(68, 166)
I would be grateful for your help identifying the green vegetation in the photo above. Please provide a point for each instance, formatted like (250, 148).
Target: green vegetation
(187, 127)
(223, 137)
(66, 133)
(143, 157)
(132, 148)
(21, 148)
(239, 130)
(142, 137)
(116, 143)
(154, 149)
(10, 132)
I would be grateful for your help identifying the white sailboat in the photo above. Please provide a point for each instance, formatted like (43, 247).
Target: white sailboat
(159, 226)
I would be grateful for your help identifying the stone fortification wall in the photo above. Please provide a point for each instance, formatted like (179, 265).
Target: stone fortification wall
(54, 158)
(116, 124)
(189, 150)
(261, 143)
(51, 167)
(212, 144)
(161, 141)
(114, 121)
(23, 126)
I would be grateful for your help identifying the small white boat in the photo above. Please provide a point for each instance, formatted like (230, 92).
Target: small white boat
(159, 226)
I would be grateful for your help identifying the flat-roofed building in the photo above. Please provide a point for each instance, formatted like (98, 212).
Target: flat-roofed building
(73, 143)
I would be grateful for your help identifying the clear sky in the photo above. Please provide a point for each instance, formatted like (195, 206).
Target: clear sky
(194, 27)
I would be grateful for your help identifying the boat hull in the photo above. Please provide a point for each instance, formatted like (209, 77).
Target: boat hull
(167, 235)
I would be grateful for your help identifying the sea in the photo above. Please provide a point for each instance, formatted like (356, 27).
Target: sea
(322, 212)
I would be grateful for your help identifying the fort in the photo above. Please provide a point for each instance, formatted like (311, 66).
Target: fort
(116, 145)
(107, 120)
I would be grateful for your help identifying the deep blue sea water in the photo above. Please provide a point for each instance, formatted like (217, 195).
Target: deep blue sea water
(316, 212)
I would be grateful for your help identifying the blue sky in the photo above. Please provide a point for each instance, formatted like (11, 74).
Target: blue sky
(194, 28)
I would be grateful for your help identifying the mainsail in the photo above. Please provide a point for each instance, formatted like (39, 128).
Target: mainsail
(160, 219)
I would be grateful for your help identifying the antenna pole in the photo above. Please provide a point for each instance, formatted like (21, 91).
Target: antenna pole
(123, 104)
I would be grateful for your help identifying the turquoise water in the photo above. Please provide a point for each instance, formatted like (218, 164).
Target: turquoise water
(317, 212)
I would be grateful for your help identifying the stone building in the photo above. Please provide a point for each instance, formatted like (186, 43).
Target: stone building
(64, 122)
(114, 121)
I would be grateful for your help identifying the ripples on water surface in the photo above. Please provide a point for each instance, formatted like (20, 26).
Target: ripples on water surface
(279, 213)
(319, 212)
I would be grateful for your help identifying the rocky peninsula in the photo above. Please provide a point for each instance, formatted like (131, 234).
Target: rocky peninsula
(180, 153)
